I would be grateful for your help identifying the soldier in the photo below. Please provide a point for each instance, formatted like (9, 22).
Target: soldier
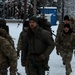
(64, 46)
(61, 25)
(66, 21)
(21, 45)
(8, 57)
(39, 45)
(21, 40)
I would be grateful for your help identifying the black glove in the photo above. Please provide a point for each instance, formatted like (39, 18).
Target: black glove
(42, 57)
(57, 50)
(58, 53)
(18, 54)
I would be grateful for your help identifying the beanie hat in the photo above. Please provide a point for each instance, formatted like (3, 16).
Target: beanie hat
(67, 25)
(26, 23)
(66, 17)
(34, 18)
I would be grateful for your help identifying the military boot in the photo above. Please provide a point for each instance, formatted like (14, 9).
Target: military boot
(67, 74)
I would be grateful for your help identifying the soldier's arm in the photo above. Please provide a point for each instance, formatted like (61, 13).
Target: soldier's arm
(11, 54)
(19, 44)
(57, 44)
(59, 29)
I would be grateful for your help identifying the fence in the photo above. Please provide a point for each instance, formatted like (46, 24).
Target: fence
(11, 10)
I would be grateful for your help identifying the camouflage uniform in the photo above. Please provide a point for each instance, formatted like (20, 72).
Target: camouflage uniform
(64, 45)
(8, 57)
(4, 34)
(61, 26)
(40, 44)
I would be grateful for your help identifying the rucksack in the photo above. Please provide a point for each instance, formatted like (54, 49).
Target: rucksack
(44, 24)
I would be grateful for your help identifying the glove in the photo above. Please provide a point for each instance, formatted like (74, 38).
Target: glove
(57, 50)
(18, 54)
(23, 63)
(42, 57)
(74, 52)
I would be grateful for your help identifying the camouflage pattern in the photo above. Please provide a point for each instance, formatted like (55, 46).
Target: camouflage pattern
(61, 26)
(8, 57)
(40, 45)
(64, 45)
(4, 34)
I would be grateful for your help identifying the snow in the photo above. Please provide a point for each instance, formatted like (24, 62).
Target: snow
(55, 61)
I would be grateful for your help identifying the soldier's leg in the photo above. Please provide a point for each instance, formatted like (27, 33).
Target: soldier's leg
(68, 65)
(31, 70)
(63, 55)
(41, 71)
(3, 68)
(26, 70)
(3, 72)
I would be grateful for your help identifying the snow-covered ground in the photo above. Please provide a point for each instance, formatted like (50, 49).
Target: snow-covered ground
(55, 61)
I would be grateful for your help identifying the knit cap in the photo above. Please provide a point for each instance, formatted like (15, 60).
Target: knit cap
(67, 25)
(66, 17)
(34, 18)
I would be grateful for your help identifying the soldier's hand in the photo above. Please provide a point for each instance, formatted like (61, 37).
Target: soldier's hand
(57, 50)
(42, 57)
(74, 52)
(58, 53)
(18, 54)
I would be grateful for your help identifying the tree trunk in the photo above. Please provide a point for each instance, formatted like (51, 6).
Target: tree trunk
(62, 9)
(25, 8)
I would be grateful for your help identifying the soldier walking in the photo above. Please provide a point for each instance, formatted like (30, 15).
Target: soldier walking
(66, 21)
(64, 46)
(8, 55)
(39, 45)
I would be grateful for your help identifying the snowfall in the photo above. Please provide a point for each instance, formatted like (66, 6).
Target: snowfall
(55, 61)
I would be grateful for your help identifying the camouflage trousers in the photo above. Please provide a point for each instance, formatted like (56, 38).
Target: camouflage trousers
(67, 57)
(3, 69)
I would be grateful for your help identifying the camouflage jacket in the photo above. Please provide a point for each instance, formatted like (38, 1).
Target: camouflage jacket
(65, 42)
(61, 26)
(7, 54)
(4, 34)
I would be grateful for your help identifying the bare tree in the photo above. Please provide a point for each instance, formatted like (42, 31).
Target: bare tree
(62, 9)
(25, 8)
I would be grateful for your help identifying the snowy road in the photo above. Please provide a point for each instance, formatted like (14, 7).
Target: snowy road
(55, 62)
